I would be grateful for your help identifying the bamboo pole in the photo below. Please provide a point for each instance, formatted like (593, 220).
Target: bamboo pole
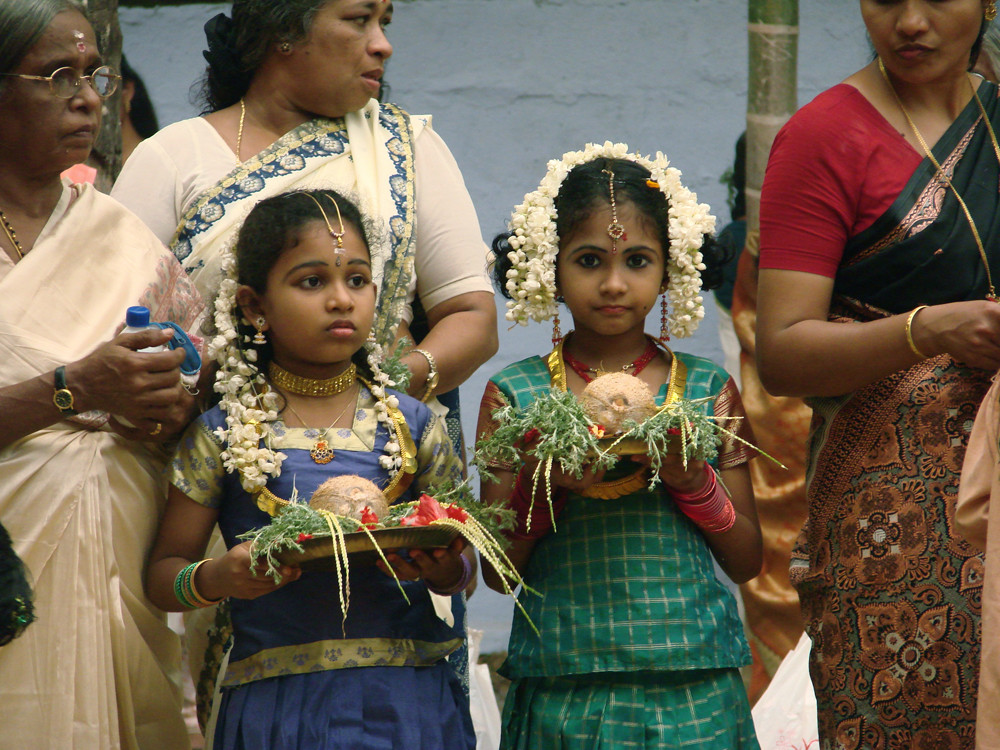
(773, 31)
(780, 424)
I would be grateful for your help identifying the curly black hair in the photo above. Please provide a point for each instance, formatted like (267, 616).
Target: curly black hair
(586, 189)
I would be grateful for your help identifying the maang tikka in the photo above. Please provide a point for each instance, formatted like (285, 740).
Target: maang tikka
(615, 229)
(338, 237)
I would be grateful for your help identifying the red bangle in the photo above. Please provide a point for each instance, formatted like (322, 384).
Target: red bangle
(709, 508)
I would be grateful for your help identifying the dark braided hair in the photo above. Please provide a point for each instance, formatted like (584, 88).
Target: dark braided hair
(586, 189)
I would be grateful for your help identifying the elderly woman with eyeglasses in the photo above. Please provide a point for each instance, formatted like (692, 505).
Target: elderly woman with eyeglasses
(81, 492)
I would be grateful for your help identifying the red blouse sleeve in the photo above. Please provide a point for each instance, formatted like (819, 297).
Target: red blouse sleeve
(835, 167)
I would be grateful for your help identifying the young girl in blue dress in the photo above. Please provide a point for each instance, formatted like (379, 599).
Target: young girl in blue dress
(638, 644)
(301, 403)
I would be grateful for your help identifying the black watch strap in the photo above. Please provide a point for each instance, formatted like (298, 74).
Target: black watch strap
(63, 397)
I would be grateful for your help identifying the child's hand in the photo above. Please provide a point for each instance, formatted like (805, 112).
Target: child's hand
(560, 478)
(231, 575)
(675, 476)
(440, 568)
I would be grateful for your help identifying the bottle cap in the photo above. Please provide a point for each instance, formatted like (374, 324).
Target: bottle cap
(137, 317)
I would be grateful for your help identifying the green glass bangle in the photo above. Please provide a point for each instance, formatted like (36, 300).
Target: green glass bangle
(180, 587)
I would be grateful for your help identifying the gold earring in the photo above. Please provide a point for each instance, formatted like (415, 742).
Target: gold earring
(556, 333)
(664, 330)
(259, 339)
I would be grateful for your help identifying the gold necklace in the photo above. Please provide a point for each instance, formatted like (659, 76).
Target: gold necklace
(321, 452)
(992, 293)
(286, 381)
(239, 133)
(11, 235)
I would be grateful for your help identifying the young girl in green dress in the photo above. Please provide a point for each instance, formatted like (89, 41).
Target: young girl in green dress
(638, 644)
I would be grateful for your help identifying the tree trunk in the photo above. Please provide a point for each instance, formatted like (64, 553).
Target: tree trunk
(780, 425)
(106, 156)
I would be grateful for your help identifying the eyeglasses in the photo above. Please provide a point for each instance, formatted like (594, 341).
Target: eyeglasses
(65, 82)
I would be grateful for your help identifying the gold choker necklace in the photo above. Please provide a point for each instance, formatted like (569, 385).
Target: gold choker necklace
(286, 381)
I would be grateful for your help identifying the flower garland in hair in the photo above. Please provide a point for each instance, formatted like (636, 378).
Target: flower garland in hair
(534, 242)
(251, 405)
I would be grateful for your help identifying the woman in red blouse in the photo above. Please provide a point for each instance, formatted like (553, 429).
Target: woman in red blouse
(879, 255)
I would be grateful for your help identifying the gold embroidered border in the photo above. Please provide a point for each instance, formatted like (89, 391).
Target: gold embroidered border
(322, 656)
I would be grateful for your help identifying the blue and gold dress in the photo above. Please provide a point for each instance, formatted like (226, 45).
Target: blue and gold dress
(299, 675)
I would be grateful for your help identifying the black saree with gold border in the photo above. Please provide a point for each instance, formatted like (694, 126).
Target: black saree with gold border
(890, 593)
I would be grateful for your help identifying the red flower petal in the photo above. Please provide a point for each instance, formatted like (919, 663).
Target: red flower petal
(457, 513)
(428, 509)
(303, 537)
(368, 517)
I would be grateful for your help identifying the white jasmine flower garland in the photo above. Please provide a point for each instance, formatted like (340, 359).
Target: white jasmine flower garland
(531, 282)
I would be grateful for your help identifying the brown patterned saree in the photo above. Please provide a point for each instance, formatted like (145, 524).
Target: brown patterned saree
(890, 593)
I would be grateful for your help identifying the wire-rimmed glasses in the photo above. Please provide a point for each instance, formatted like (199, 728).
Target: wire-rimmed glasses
(65, 82)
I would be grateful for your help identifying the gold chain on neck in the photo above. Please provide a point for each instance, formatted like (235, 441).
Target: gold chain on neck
(11, 235)
(992, 293)
(239, 133)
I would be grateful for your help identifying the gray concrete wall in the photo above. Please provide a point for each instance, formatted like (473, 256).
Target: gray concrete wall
(513, 83)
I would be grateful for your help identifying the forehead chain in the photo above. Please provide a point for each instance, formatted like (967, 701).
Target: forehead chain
(615, 229)
(338, 237)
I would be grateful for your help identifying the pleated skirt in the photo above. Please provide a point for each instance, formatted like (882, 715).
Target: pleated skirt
(369, 708)
(703, 710)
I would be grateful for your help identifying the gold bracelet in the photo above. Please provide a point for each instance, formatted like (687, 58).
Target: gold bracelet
(192, 590)
(432, 376)
(909, 332)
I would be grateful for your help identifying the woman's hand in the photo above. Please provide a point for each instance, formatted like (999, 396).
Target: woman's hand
(968, 331)
(232, 575)
(801, 353)
(142, 387)
(439, 568)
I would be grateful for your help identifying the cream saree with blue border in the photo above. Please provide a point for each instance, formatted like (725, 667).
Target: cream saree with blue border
(368, 152)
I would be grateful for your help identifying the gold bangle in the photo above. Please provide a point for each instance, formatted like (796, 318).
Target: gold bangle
(432, 376)
(193, 590)
(909, 332)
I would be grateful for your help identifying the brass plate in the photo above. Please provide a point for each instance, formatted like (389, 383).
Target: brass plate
(317, 553)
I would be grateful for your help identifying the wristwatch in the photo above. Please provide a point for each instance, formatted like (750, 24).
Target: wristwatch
(432, 377)
(63, 397)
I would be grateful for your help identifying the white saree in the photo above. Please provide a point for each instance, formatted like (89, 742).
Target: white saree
(368, 152)
(99, 668)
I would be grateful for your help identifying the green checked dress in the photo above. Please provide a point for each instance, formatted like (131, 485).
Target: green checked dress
(640, 643)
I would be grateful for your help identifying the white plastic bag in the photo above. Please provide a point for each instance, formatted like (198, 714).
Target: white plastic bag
(785, 715)
(482, 700)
